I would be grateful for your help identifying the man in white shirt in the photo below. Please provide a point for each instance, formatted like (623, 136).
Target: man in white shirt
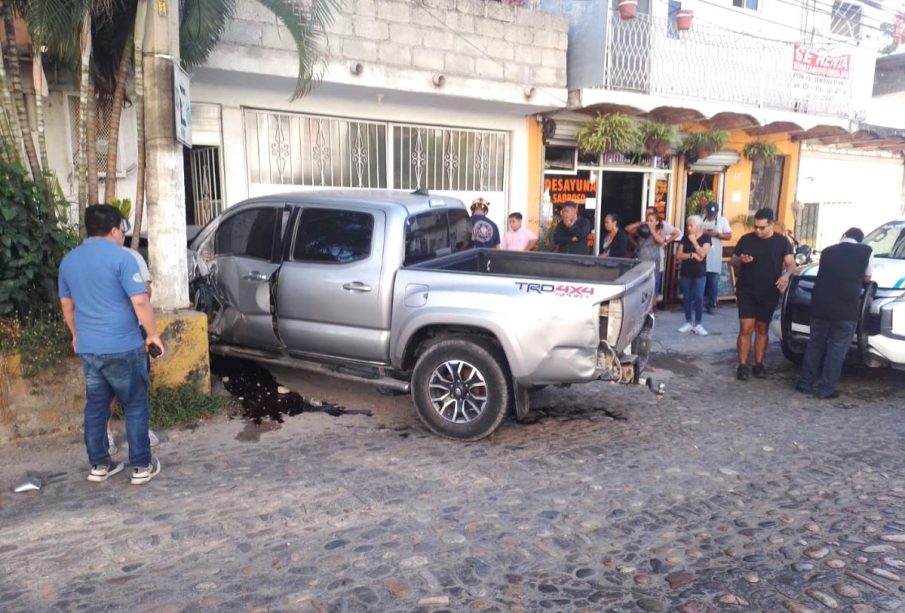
(718, 229)
(519, 238)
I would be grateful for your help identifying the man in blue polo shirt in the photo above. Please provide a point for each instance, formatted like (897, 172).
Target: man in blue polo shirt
(104, 299)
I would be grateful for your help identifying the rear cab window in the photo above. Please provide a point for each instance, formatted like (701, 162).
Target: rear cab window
(435, 233)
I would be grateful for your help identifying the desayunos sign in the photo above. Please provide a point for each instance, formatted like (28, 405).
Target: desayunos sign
(821, 77)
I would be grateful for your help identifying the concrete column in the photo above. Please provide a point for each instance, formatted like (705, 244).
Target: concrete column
(165, 175)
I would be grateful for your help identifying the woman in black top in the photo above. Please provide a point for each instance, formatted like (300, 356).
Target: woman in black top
(615, 239)
(693, 274)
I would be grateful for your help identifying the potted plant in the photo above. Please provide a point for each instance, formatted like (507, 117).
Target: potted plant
(628, 8)
(760, 150)
(683, 19)
(657, 137)
(696, 201)
(610, 133)
(702, 144)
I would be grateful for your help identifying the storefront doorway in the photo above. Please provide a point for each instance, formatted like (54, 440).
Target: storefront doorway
(605, 184)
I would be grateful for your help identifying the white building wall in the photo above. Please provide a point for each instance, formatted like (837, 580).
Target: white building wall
(853, 189)
(233, 99)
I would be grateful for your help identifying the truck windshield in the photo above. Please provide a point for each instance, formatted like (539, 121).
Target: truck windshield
(888, 241)
(435, 233)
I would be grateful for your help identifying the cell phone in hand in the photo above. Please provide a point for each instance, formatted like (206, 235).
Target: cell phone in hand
(154, 351)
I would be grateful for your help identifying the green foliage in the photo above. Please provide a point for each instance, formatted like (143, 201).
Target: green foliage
(702, 144)
(657, 137)
(611, 133)
(40, 338)
(33, 240)
(760, 150)
(175, 406)
(124, 206)
(696, 201)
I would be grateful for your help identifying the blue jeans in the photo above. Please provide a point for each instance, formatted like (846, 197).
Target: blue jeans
(693, 298)
(827, 346)
(124, 375)
(712, 290)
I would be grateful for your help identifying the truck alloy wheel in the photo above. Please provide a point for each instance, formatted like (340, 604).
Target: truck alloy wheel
(458, 391)
(460, 388)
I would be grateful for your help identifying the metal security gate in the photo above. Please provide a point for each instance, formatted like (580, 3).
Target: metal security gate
(207, 184)
(287, 150)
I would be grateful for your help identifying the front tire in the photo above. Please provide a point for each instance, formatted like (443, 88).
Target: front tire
(460, 388)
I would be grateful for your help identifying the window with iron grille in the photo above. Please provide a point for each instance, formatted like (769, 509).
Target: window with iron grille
(766, 184)
(846, 20)
(305, 150)
(103, 138)
(448, 159)
(309, 150)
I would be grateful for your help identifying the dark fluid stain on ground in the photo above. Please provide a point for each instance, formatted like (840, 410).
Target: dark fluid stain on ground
(676, 363)
(563, 414)
(262, 405)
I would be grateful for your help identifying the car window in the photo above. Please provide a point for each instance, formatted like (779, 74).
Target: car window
(459, 230)
(435, 233)
(247, 234)
(327, 235)
(888, 241)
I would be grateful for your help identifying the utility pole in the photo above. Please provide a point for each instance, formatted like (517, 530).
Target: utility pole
(165, 173)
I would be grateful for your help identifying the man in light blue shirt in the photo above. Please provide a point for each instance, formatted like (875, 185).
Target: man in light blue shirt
(104, 299)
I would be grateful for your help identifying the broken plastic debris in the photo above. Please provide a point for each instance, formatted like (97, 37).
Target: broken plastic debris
(32, 484)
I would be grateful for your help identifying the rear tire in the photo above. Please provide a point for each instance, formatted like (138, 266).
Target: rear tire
(460, 388)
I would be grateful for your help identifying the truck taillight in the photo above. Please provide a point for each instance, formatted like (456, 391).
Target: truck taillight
(610, 320)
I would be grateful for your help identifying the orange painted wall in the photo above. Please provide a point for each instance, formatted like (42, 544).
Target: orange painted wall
(738, 181)
(535, 172)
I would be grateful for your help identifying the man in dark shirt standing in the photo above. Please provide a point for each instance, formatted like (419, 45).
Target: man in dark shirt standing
(484, 233)
(765, 264)
(844, 268)
(571, 234)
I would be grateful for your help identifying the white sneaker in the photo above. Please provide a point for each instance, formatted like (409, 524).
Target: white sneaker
(153, 438)
(140, 476)
(699, 330)
(101, 472)
(112, 449)
(686, 327)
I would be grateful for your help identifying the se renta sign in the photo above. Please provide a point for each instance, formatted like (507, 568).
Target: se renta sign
(821, 77)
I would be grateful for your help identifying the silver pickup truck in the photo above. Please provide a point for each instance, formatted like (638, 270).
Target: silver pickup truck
(383, 287)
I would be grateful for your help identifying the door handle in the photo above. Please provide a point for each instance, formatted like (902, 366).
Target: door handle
(254, 275)
(357, 286)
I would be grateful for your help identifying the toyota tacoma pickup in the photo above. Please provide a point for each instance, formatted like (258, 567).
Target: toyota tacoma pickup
(383, 287)
(880, 335)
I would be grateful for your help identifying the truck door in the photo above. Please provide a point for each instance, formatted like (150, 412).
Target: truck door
(245, 255)
(331, 297)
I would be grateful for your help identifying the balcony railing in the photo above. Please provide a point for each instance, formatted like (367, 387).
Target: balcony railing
(649, 55)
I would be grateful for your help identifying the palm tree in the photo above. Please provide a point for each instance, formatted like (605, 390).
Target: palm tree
(92, 38)
(15, 77)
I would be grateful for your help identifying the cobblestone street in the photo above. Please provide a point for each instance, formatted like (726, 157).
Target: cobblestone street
(723, 495)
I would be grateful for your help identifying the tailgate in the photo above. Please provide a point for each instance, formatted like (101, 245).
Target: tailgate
(624, 317)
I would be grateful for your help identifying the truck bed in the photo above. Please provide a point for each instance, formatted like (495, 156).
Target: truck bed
(534, 265)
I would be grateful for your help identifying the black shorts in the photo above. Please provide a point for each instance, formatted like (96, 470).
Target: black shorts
(758, 308)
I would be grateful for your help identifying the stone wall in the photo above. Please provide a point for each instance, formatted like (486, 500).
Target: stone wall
(482, 39)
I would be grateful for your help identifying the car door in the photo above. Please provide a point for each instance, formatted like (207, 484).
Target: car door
(330, 297)
(245, 256)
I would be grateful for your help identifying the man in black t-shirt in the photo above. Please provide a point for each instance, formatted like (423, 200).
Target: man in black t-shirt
(571, 234)
(765, 263)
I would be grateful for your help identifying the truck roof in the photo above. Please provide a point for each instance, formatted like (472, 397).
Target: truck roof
(413, 203)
